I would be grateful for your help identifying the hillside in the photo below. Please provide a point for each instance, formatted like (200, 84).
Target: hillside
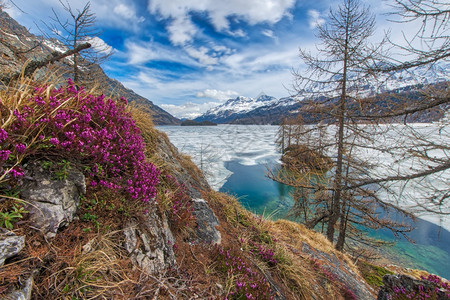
(17, 45)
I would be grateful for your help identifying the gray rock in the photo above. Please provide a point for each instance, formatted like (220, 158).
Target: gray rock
(150, 243)
(206, 223)
(53, 202)
(194, 181)
(408, 283)
(22, 293)
(341, 271)
(10, 245)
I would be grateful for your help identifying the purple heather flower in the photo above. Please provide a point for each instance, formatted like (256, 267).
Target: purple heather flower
(4, 155)
(3, 135)
(20, 148)
(16, 172)
(54, 141)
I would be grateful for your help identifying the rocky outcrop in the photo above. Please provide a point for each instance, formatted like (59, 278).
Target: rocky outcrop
(23, 292)
(406, 285)
(150, 243)
(10, 245)
(52, 203)
(180, 167)
(340, 271)
(206, 223)
(195, 182)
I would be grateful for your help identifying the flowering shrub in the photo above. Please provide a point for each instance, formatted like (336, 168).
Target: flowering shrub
(432, 288)
(248, 284)
(266, 253)
(93, 130)
(181, 207)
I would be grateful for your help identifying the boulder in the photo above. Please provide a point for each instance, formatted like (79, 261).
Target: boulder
(10, 245)
(23, 292)
(206, 223)
(53, 203)
(179, 167)
(150, 243)
(341, 272)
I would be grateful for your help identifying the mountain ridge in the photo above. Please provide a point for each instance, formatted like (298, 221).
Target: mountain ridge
(270, 110)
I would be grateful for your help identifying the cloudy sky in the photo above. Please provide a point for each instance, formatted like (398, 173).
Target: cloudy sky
(189, 55)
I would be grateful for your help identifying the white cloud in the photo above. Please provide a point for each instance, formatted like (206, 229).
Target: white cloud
(222, 49)
(253, 60)
(12, 11)
(139, 53)
(314, 19)
(127, 12)
(237, 33)
(268, 33)
(188, 110)
(252, 11)
(99, 45)
(216, 94)
(202, 56)
(182, 31)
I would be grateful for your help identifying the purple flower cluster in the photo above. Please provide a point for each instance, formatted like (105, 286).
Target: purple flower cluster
(249, 284)
(91, 129)
(432, 287)
(266, 253)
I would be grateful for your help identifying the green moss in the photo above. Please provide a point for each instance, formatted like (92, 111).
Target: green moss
(373, 274)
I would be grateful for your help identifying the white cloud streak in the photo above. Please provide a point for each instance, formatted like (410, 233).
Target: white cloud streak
(218, 95)
(127, 12)
(314, 19)
(188, 110)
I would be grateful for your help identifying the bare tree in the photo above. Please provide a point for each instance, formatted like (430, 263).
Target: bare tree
(426, 149)
(79, 28)
(332, 83)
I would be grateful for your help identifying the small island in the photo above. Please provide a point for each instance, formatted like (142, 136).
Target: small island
(195, 123)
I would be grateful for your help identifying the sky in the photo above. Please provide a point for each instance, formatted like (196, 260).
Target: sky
(190, 55)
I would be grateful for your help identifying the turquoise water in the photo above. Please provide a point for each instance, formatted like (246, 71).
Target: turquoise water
(259, 194)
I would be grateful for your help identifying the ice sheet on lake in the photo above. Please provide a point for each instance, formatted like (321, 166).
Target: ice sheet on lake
(211, 147)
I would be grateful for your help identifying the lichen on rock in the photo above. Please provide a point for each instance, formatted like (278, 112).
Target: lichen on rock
(52, 203)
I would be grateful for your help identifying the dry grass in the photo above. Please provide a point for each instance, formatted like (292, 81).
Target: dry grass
(76, 267)
(295, 234)
(294, 273)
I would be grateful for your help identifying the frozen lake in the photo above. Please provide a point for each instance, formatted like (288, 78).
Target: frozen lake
(234, 159)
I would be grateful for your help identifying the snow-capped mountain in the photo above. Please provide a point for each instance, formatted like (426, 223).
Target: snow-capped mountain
(269, 110)
(236, 108)
(242, 105)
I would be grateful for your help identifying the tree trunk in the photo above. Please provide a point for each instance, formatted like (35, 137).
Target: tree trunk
(337, 183)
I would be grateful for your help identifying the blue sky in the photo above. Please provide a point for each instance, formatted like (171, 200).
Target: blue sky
(189, 55)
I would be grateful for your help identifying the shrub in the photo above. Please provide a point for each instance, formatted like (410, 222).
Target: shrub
(69, 122)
